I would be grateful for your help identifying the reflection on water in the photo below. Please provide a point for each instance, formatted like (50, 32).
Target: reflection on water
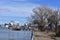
(6, 34)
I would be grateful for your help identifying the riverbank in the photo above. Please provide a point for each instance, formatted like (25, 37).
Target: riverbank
(44, 36)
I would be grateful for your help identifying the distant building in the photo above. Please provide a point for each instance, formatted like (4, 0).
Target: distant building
(16, 26)
(26, 26)
(12, 25)
(6, 25)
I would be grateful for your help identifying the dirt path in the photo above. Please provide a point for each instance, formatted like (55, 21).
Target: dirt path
(42, 36)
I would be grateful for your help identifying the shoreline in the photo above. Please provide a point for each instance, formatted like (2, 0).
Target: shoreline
(43, 36)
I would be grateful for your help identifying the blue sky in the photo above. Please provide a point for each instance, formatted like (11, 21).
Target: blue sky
(23, 8)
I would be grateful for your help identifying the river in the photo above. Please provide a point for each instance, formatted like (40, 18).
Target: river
(6, 34)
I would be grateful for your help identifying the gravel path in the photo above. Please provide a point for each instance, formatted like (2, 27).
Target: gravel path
(42, 36)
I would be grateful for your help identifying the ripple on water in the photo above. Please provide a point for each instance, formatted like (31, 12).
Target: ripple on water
(14, 35)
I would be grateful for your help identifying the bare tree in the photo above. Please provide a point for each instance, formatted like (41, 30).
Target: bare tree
(43, 15)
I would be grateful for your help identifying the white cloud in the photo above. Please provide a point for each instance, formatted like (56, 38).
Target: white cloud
(16, 10)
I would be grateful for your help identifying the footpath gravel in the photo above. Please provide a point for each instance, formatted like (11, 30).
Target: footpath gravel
(43, 36)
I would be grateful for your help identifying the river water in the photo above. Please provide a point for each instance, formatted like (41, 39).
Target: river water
(6, 34)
